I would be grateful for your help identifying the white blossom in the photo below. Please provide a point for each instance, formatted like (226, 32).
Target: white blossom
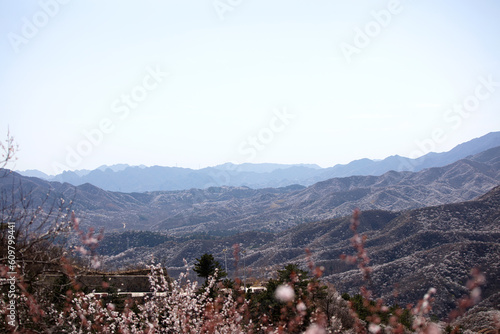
(284, 293)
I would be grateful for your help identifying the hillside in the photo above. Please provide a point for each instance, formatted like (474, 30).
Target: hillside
(410, 251)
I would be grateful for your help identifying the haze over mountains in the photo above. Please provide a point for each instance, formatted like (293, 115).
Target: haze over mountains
(229, 210)
(125, 178)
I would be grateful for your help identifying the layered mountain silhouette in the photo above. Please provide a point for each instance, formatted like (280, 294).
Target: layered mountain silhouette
(236, 209)
(126, 178)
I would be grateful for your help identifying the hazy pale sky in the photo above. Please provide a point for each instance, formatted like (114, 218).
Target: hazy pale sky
(197, 83)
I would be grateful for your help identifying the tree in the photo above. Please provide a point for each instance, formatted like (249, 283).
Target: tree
(336, 308)
(306, 292)
(33, 225)
(8, 150)
(206, 266)
(305, 286)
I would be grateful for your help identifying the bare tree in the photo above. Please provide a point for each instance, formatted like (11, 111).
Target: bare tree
(34, 223)
(36, 228)
(335, 308)
(8, 150)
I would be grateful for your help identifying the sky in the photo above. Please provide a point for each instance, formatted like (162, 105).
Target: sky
(197, 83)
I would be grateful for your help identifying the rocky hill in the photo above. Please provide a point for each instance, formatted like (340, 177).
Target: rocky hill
(410, 251)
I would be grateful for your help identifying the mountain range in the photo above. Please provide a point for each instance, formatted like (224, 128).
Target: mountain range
(126, 178)
(230, 210)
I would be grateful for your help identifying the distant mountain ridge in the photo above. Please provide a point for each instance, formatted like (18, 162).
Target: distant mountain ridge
(236, 209)
(126, 178)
